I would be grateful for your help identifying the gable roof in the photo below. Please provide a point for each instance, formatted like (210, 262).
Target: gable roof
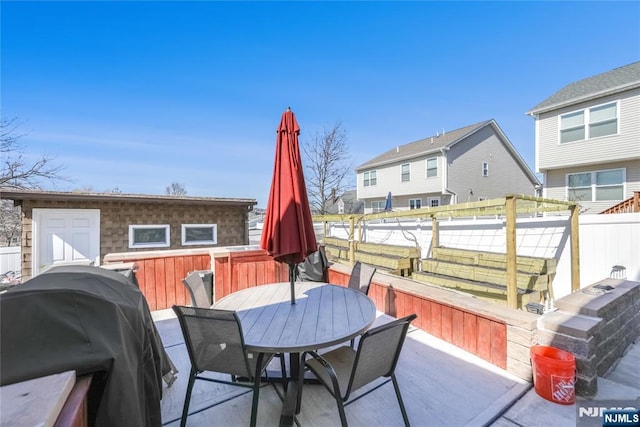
(437, 143)
(613, 81)
(351, 203)
(429, 145)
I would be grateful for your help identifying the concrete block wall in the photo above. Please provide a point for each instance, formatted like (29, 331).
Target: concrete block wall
(597, 324)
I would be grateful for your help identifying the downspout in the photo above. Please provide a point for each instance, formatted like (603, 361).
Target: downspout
(445, 177)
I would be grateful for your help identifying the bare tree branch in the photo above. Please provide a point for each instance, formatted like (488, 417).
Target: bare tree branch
(176, 189)
(328, 166)
(15, 170)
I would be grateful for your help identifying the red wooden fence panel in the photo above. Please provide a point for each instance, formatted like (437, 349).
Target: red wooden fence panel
(476, 334)
(160, 278)
(235, 270)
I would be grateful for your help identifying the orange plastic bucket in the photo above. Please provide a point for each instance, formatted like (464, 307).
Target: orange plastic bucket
(554, 374)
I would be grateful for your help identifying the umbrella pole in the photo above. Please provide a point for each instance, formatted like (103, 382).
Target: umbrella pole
(292, 279)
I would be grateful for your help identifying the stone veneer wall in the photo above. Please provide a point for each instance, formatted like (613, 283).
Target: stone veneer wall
(596, 325)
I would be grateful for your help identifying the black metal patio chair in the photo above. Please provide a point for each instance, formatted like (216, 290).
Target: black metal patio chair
(345, 370)
(215, 343)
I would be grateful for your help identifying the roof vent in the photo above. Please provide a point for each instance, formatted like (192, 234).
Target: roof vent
(442, 131)
(397, 149)
(432, 140)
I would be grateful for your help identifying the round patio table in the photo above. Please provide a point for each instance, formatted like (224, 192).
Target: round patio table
(324, 315)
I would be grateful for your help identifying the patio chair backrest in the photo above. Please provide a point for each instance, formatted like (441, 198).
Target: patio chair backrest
(197, 290)
(378, 352)
(361, 276)
(214, 341)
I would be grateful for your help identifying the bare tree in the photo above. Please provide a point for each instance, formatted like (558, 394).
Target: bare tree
(15, 170)
(176, 189)
(328, 166)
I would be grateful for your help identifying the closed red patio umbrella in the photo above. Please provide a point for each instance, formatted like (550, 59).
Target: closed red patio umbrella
(288, 234)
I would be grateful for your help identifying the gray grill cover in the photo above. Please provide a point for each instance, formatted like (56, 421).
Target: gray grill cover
(90, 320)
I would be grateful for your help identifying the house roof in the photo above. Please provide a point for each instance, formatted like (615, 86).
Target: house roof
(613, 81)
(351, 203)
(429, 145)
(435, 144)
(13, 194)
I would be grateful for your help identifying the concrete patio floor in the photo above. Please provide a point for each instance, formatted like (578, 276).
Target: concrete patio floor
(441, 384)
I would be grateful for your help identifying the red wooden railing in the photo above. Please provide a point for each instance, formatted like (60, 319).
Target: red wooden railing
(630, 205)
(477, 334)
(160, 278)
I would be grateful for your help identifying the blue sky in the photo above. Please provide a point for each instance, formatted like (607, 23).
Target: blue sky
(137, 95)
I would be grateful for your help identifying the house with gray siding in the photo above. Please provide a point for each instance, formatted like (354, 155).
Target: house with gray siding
(473, 163)
(587, 138)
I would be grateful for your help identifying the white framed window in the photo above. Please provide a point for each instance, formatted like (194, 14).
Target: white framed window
(406, 172)
(433, 202)
(149, 236)
(199, 234)
(594, 122)
(341, 206)
(415, 203)
(604, 185)
(377, 206)
(432, 167)
(369, 178)
(485, 169)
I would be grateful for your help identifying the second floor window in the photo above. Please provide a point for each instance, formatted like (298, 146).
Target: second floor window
(369, 178)
(593, 122)
(415, 203)
(485, 169)
(432, 167)
(596, 186)
(406, 173)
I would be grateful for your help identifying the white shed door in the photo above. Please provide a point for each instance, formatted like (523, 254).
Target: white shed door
(65, 236)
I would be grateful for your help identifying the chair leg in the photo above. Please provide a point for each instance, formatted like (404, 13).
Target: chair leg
(256, 390)
(399, 396)
(283, 368)
(187, 398)
(343, 416)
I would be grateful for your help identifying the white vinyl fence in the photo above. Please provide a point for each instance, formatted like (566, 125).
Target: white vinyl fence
(605, 241)
(10, 259)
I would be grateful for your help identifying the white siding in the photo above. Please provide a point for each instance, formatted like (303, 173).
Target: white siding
(556, 184)
(390, 179)
(624, 146)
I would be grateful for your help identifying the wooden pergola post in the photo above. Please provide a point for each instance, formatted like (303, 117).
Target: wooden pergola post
(352, 243)
(575, 249)
(512, 285)
(435, 234)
